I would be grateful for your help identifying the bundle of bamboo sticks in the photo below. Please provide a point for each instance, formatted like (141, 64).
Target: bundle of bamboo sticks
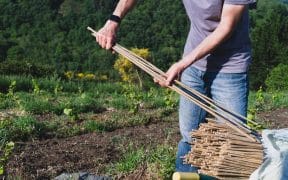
(221, 152)
(231, 148)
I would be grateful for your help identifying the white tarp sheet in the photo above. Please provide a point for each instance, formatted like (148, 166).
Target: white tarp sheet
(275, 165)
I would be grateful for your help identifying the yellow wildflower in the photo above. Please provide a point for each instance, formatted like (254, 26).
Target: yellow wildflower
(69, 74)
(80, 75)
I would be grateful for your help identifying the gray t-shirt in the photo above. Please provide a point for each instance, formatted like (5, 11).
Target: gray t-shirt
(232, 56)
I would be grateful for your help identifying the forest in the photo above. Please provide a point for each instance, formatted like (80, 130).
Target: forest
(47, 37)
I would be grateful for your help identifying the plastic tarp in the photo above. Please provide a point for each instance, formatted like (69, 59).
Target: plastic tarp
(275, 165)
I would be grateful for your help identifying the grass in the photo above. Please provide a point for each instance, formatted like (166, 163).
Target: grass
(130, 161)
(19, 129)
(50, 84)
(94, 126)
(265, 101)
(56, 108)
(70, 111)
(159, 161)
(6, 102)
(131, 105)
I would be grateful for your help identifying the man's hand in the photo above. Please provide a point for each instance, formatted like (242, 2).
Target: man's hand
(106, 36)
(174, 72)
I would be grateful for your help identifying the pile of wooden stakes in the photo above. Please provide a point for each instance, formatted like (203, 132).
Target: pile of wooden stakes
(220, 152)
(221, 147)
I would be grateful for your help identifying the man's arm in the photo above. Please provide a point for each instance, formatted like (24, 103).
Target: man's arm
(107, 34)
(231, 14)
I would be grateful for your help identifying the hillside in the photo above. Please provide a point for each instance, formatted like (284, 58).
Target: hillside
(51, 35)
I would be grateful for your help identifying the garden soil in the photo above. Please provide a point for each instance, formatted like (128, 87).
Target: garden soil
(85, 153)
(92, 152)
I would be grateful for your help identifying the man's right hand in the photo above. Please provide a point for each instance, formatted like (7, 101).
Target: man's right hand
(106, 36)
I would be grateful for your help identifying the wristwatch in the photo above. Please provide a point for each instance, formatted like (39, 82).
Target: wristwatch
(115, 18)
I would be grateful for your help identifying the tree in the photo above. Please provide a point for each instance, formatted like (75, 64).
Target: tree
(269, 40)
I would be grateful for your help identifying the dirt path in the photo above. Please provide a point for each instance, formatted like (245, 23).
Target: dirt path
(86, 153)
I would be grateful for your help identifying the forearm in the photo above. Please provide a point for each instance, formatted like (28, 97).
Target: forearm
(123, 7)
(106, 36)
(211, 42)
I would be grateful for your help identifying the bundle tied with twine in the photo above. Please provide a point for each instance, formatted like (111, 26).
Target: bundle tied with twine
(231, 122)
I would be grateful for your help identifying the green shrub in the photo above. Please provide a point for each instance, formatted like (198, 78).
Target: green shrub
(278, 78)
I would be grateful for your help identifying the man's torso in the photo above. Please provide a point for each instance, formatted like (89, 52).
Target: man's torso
(232, 56)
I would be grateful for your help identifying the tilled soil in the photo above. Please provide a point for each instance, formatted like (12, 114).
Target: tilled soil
(48, 158)
(275, 119)
(85, 153)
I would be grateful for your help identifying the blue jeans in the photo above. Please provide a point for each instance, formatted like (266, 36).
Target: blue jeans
(228, 89)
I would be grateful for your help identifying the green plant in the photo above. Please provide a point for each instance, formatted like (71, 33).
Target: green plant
(131, 160)
(279, 99)
(85, 102)
(264, 101)
(161, 161)
(259, 100)
(8, 148)
(170, 100)
(277, 79)
(118, 102)
(34, 103)
(92, 126)
(58, 88)
(129, 73)
(5, 134)
(36, 88)
(251, 116)
(134, 97)
(71, 114)
(22, 128)
(11, 89)
(6, 102)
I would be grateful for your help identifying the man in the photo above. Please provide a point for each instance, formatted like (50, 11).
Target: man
(215, 60)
